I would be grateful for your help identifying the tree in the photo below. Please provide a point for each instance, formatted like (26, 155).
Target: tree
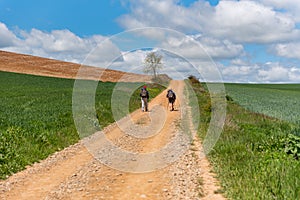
(153, 63)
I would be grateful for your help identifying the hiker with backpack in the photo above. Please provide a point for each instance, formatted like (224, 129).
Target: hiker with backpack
(144, 94)
(171, 97)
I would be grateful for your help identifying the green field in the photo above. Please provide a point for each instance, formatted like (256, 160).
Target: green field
(256, 156)
(276, 100)
(36, 116)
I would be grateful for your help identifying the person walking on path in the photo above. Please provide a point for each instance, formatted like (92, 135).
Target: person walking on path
(171, 97)
(144, 94)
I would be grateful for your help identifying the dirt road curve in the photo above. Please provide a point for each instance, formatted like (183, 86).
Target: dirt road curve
(75, 173)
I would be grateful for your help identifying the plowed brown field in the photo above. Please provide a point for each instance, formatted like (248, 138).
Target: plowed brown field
(20, 63)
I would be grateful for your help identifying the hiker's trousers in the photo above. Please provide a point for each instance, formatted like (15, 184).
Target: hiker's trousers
(144, 104)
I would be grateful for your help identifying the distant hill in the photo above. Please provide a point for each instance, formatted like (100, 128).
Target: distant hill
(27, 64)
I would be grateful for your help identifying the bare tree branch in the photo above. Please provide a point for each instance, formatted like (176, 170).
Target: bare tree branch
(153, 63)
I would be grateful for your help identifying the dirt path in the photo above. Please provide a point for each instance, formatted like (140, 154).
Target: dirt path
(147, 172)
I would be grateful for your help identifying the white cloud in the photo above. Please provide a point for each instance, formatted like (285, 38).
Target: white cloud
(132, 62)
(55, 41)
(165, 14)
(174, 65)
(239, 62)
(220, 49)
(238, 21)
(294, 75)
(177, 66)
(204, 48)
(240, 71)
(135, 58)
(7, 38)
(105, 53)
(274, 73)
(249, 21)
(290, 6)
(65, 45)
(270, 72)
(288, 50)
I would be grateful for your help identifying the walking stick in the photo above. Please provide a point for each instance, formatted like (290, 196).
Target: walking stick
(175, 105)
(167, 103)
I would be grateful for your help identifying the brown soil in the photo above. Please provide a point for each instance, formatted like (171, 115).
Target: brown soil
(20, 63)
(78, 172)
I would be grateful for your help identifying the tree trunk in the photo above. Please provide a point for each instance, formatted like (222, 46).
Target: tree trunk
(154, 72)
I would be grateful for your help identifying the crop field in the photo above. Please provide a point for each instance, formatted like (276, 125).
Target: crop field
(276, 100)
(36, 117)
(256, 156)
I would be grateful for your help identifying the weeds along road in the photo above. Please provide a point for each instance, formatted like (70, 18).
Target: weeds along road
(160, 165)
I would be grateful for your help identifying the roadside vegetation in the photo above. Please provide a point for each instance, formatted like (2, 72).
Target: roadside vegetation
(256, 156)
(36, 117)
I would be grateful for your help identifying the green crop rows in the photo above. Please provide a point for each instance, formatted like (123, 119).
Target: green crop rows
(276, 100)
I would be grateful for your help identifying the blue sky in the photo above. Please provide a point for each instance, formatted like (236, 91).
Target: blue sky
(247, 41)
(80, 17)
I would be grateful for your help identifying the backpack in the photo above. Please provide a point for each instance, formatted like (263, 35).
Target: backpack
(170, 94)
(144, 92)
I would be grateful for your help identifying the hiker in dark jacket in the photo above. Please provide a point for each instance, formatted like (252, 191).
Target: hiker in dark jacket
(171, 97)
(144, 94)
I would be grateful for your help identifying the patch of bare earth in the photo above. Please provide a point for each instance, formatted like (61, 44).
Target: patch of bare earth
(26, 64)
(77, 173)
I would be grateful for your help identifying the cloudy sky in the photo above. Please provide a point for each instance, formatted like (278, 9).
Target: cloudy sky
(227, 40)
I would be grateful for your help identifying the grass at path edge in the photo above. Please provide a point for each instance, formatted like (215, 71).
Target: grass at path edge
(251, 158)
